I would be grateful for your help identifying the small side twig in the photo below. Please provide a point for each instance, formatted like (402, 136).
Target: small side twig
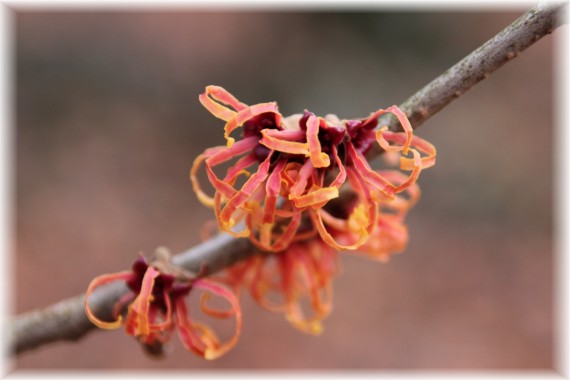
(66, 320)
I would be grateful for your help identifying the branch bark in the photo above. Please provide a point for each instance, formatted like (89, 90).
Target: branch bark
(66, 320)
(461, 77)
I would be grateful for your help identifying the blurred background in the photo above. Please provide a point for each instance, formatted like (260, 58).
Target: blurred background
(108, 124)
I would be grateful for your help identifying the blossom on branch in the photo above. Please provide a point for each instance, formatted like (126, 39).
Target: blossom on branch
(302, 274)
(281, 282)
(156, 305)
(282, 169)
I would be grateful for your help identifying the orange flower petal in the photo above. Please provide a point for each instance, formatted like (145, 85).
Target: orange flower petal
(415, 173)
(319, 159)
(216, 100)
(167, 323)
(315, 198)
(424, 147)
(253, 182)
(390, 236)
(403, 201)
(284, 141)
(202, 196)
(221, 95)
(247, 113)
(141, 304)
(214, 157)
(95, 283)
(186, 330)
(317, 282)
(341, 177)
(302, 179)
(360, 223)
(405, 123)
(217, 313)
(361, 165)
(260, 283)
(209, 344)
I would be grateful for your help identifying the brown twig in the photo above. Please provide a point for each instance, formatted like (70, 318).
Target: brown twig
(461, 77)
(66, 320)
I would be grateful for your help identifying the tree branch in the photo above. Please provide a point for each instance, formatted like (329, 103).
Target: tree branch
(457, 80)
(66, 320)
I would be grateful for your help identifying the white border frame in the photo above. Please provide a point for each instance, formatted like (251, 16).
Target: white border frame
(561, 169)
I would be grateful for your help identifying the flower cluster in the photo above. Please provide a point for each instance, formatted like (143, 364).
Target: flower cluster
(156, 305)
(301, 189)
(285, 168)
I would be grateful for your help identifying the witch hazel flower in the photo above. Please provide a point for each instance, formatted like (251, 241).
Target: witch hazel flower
(297, 282)
(156, 306)
(286, 282)
(250, 210)
(301, 162)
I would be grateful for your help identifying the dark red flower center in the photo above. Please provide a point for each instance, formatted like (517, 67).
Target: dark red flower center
(162, 283)
(253, 127)
(361, 134)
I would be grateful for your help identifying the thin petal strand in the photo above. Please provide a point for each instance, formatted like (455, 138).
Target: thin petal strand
(95, 283)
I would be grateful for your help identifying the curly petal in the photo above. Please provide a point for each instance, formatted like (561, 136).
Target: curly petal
(317, 196)
(235, 202)
(311, 264)
(199, 338)
(390, 236)
(247, 113)
(141, 304)
(94, 284)
(361, 165)
(216, 100)
(187, 331)
(406, 126)
(167, 322)
(264, 221)
(319, 159)
(423, 146)
(285, 141)
(359, 224)
(272, 239)
(381, 183)
(214, 157)
(403, 201)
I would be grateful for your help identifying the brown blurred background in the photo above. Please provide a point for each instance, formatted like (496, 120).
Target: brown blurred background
(108, 124)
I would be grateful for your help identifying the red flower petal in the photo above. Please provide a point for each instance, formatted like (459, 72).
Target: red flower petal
(95, 283)
(199, 338)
